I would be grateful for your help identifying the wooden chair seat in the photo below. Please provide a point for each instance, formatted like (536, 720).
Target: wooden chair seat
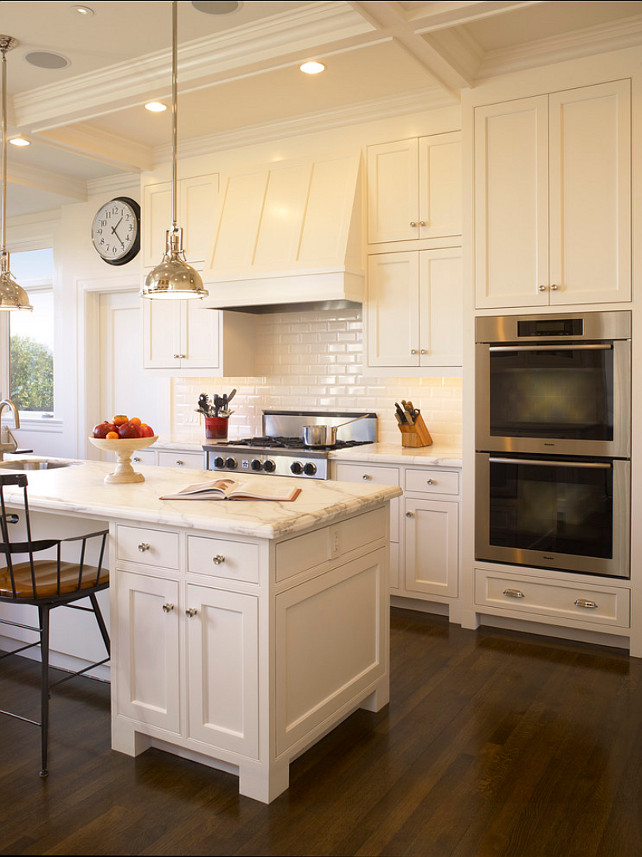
(46, 572)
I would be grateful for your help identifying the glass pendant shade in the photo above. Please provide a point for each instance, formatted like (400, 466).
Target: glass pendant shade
(174, 278)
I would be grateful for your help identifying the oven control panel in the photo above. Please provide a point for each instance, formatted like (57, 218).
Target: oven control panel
(271, 464)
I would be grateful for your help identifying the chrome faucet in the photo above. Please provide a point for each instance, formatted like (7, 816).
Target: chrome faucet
(8, 443)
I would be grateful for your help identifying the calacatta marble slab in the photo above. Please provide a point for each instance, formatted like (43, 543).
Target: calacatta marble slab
(395, 453)
(80, 490)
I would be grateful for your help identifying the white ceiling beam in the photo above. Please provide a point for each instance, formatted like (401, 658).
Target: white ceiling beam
(100, 146)
(437, 16)
(46, 180)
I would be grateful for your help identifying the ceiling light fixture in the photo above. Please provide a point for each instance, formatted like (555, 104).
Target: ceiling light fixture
(12, 296)
(156, 107)
(173, 278)
(19, 141)
(312, 67)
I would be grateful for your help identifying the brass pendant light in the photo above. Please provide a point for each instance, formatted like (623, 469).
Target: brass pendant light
(173, 278)
(12, 296)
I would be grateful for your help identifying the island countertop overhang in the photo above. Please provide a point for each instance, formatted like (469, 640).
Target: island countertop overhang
(80, 490)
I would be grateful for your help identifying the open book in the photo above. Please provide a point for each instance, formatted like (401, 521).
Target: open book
(230, 489)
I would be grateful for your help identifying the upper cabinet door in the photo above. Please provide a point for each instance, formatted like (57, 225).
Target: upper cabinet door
(392, 309)
(590, 194)
(440, 189)
(511, 203)
(393, 191)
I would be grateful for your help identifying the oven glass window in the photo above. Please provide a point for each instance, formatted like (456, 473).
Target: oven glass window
(549, 507)
(557, 394)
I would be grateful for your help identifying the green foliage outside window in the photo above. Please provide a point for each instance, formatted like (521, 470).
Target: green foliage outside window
(31, 374)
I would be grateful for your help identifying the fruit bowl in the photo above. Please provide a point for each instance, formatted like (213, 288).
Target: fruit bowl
(123, 447)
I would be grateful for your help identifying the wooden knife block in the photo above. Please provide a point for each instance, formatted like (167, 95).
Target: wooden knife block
(417, 435)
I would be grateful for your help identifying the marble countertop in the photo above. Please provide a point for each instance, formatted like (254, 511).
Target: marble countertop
(395, 453)
(80, 490)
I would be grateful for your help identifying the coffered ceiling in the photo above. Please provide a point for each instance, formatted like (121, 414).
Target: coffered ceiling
(239, 77)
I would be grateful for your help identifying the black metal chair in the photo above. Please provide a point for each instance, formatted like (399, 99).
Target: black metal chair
(46, 584)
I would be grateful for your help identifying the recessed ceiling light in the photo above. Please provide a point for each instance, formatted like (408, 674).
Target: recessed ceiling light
(223, 7)
(312, 67)
(47, 59)
(156, 107)
(83, 11)
(19, 141)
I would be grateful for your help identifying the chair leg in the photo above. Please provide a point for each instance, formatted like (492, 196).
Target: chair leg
(101, 622)
(44, 685)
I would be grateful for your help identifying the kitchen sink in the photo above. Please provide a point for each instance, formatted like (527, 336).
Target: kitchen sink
(33, 464)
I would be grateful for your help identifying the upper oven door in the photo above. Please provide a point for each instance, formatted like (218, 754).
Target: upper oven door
(570, 398)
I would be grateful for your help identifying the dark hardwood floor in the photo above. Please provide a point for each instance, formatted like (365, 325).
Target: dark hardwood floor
(494, 743)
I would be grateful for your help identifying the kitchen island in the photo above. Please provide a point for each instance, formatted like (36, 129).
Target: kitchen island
(242, 631)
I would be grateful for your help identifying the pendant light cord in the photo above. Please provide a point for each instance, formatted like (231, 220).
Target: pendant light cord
(174, 107)
(3, 47)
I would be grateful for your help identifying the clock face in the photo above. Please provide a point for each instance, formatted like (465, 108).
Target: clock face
(115, 232)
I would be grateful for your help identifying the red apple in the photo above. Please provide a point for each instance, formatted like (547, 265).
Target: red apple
(102, 428)
(128, 429)
(146, 431)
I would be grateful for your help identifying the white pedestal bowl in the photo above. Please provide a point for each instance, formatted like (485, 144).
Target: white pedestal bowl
(124, 448)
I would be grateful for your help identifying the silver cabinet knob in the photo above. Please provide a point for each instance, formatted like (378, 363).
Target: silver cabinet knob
(137, 458)
(513, 593)
(218, 559)
(366, 476)
(410, 514)
(413, 350)
(542, 288)
(423, 351)
(143, 546)
(422, 222)
(191, 611)
(167, 608)
(413, 223)
(586, 603)
(554, 287)
(179, 462)
(430, 482)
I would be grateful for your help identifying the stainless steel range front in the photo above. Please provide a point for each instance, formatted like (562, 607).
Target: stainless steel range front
(280, 450)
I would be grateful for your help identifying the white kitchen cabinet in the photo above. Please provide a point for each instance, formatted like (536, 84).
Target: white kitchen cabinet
(179, 458)
(413, 310)
(553, 198)
(185, 336)
(195, 207)
(414, 188)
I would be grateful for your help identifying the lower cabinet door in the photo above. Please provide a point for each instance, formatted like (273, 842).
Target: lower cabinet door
(432, 547)
(222, 633)
(148, 649)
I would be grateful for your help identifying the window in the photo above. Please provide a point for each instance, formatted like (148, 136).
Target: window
(31, 336)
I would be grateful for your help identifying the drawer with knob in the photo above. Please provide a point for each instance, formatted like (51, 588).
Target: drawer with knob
(591, 603)
(222, 558)
(149, 547)
(432, 481)
(194, 460)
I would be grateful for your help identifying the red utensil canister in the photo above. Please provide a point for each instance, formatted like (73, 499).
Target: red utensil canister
(216, 428)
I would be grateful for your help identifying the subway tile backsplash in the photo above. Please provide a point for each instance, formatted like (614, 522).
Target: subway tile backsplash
(314, 361)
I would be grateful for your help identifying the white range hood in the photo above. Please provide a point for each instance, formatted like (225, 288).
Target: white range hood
(288, 236)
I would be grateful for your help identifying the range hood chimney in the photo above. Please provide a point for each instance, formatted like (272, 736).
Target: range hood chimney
(288, 237)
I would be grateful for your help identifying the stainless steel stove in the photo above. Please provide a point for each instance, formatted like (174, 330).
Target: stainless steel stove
(280, 450)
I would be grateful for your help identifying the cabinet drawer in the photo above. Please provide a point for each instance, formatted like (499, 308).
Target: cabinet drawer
(432, 481)
(604, 605)
(144, 456)
(182, 459)
(222, 558)
(149, 547)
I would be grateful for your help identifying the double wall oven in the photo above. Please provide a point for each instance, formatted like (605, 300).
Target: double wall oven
(553, 441)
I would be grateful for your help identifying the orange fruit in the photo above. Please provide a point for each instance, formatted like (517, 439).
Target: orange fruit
(112, 435)
(135, 420)
(119, 419)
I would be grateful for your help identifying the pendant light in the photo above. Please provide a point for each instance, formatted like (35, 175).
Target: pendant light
(12, 296)
(173, 278)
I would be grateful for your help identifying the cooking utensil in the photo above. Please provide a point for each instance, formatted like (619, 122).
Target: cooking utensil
(401, 417)
(325, 435)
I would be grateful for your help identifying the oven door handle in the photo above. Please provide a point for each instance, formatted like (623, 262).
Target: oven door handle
(592, 346)
(599, 465)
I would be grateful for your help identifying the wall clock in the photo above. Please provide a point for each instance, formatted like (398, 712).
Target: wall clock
(115, 231)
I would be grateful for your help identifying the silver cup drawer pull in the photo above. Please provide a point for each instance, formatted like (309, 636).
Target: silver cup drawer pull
(167, 608)
(143, 546)
(219, 559)
(586, 603)
(513, 593)
(191, 611)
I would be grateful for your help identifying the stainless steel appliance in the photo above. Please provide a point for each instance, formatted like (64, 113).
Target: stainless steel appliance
(553, 440)
(281, 451)
(554, 383)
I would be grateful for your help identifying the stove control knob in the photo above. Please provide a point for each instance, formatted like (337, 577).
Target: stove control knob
(269, 466)
(296, 467)
(256, 464)
(232, 463)
(310, 469)
(219, 462)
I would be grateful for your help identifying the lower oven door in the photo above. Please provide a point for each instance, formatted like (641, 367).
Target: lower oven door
(563, 514)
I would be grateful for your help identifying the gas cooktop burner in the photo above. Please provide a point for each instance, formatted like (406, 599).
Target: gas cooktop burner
(289, 443)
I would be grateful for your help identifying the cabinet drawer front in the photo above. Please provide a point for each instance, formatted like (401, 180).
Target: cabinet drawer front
(181, 459)
(222, 558)
(432, 481)
(149, 547)
(607, 605)
(144, 456)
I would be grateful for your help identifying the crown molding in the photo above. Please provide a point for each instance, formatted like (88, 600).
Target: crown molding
(372, 110)
(47, 180)
(200, 61)
(601, 38)
(118, 184)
